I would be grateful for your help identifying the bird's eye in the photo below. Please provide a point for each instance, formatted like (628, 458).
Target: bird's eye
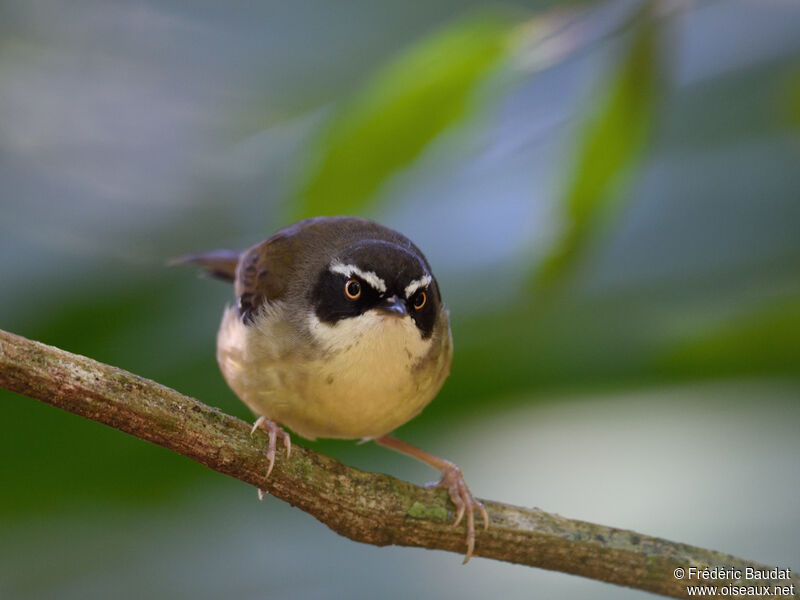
(419, 300)
(352, 289)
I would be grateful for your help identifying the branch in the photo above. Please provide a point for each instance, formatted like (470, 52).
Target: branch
(366, 507)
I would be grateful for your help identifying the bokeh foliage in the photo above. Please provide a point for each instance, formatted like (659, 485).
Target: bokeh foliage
(385, 125)
(551, 330)
(633, 199)
(610, 145)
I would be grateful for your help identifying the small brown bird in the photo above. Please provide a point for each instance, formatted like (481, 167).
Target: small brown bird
(338, 331)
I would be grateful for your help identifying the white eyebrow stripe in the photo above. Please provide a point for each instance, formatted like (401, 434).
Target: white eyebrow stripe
(412, 287)
(369, 276)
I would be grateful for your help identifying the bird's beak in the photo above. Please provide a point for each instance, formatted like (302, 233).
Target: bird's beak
(393, 306)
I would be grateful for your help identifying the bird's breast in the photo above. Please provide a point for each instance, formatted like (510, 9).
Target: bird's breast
(362, 377)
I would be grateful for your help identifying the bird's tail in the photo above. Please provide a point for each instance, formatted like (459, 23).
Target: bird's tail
(220, 264)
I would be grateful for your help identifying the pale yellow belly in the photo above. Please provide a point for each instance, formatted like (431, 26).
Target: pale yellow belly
(365, 390)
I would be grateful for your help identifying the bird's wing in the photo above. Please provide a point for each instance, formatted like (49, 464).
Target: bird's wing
(265, 270)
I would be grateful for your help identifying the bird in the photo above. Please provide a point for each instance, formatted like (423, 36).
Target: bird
(338, 331)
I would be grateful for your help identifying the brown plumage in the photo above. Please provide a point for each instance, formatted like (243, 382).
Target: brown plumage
(302, 349)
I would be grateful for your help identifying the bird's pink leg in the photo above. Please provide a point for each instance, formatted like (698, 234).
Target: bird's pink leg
(453, 480)
(273, 431)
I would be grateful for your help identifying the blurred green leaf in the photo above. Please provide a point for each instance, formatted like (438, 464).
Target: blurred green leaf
(765, 342)
(612, 143)
(520, 354)
(791, 97)
(388, 123)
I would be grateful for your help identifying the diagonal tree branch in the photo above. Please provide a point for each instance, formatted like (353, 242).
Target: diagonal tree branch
(366, 507)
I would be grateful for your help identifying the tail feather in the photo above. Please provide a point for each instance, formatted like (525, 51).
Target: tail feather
(220, 264)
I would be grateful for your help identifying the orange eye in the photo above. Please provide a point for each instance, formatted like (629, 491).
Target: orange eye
(419, 300)
(352, 289)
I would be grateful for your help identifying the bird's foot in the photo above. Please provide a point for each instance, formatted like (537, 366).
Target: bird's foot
(273, 431)
(466, 504)
(453, 480)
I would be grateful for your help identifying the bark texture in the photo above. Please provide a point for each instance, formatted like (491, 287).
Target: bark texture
(367, 507)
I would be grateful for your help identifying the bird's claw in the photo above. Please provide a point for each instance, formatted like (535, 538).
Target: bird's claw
(273, 431)
(453, 480)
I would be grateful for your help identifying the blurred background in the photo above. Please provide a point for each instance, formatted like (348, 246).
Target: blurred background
(609, 194)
